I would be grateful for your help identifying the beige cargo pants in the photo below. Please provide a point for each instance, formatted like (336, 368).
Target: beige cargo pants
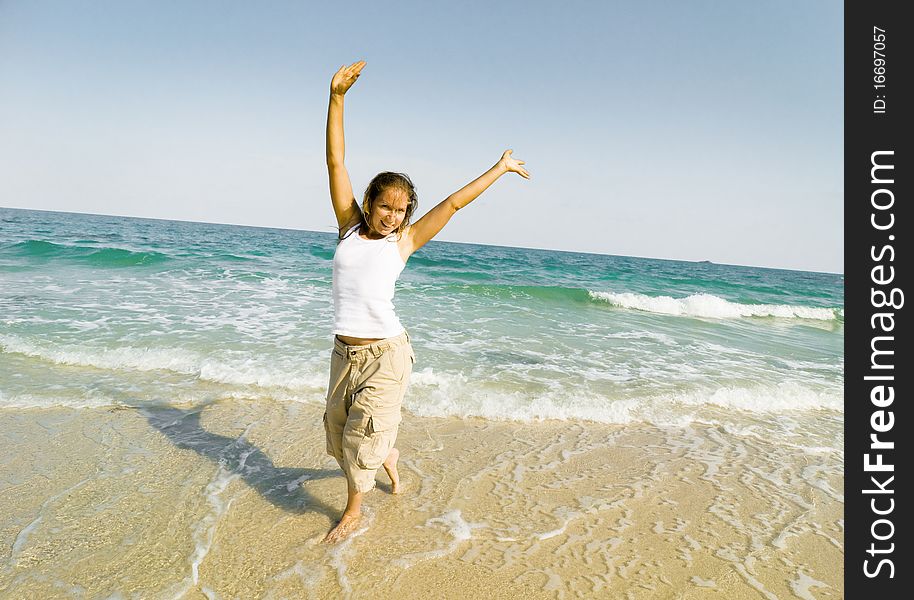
(367, 385)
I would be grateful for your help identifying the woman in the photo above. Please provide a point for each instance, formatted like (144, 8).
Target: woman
(372, 357)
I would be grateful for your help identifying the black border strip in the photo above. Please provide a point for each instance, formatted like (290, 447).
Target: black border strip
(877, 265)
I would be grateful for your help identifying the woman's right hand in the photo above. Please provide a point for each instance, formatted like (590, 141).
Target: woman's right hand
(345, 77)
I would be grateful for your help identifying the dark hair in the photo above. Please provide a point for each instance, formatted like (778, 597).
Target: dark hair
(388, 180)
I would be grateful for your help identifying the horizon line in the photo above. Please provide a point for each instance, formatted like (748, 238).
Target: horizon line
(434, 241)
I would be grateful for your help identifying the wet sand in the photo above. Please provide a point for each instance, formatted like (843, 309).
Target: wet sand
(232, 499)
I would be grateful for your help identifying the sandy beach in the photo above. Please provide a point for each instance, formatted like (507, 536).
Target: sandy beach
(231, 500)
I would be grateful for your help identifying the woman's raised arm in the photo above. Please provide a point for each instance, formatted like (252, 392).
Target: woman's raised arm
(344, 205)
(434, 220)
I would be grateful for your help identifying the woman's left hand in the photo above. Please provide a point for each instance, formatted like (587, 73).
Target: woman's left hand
(512, 165)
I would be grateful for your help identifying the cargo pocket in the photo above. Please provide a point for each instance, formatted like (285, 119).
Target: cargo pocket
(379, 438)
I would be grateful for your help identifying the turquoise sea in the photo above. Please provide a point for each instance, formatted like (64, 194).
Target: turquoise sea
(109, 311)
(576, 424)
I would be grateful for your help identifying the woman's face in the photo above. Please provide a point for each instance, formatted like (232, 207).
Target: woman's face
(388, 211)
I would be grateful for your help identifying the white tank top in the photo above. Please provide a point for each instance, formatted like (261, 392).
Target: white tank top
(364, 274)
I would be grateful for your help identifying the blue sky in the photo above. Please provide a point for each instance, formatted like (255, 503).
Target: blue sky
(687, 130)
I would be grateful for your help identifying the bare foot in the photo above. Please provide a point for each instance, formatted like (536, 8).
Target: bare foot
(390, 465)
(347, 525)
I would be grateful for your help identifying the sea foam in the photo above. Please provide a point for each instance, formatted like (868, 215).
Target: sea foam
(714, 307)
(238, 369)
(439, 394)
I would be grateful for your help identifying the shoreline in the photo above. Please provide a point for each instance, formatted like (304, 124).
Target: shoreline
(231, 499)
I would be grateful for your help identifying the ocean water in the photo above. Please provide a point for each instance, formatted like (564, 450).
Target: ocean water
(100, 311)
(577, 425)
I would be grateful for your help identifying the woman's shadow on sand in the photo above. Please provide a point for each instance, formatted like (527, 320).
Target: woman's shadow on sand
(281, 486)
